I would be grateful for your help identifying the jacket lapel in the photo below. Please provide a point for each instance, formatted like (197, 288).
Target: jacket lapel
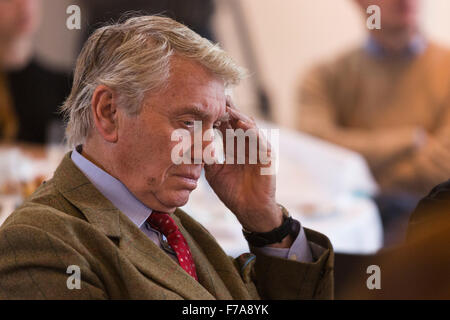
(207, 276)
(148, 258)
(224, 280)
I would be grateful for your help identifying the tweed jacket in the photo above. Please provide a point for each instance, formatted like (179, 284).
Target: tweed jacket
(67, 223)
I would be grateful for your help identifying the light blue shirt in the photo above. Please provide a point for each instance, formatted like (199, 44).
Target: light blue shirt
(416, 47)
(119, 195)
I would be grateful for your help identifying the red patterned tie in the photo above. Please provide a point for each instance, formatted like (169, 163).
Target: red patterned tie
(165, 224)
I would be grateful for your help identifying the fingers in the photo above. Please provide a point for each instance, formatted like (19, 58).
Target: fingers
(238, 115)
(230, 103)
(241, 120)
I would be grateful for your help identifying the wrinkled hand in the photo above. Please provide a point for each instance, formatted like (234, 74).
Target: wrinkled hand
(241, 187)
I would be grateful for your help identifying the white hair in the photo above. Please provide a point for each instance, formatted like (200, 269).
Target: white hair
(133, 58)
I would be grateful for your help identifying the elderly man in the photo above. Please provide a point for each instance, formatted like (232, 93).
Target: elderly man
(390, 101)
(110, 216)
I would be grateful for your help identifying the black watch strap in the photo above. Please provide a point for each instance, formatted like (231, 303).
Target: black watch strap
(289, 226)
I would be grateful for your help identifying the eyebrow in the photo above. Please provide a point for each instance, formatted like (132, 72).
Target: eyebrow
(194, 110)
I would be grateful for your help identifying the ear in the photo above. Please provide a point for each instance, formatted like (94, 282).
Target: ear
(104, 111)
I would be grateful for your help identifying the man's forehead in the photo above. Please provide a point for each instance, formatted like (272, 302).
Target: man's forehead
(217, 111)
(191, 89)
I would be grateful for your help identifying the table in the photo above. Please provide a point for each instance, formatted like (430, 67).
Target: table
(23, 163)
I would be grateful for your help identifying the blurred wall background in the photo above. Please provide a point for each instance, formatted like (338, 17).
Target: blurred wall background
(55, 43)
(289, 36)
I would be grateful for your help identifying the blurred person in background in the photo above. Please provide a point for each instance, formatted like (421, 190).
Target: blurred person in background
(29, 92)
(388, 100)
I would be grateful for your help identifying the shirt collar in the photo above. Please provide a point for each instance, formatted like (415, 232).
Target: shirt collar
(417, 46)
(113, 190)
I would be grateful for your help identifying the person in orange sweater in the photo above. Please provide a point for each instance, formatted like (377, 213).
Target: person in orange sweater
(388, 100)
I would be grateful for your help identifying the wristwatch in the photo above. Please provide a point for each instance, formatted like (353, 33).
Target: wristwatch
(289, 226)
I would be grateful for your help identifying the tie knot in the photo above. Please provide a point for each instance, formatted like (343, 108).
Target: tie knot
(162, 222)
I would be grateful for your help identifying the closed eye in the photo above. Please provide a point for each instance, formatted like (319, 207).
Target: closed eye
(188, 123)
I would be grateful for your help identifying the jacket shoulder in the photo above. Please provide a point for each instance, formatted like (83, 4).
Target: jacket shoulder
(434, 207)
(45, 209)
